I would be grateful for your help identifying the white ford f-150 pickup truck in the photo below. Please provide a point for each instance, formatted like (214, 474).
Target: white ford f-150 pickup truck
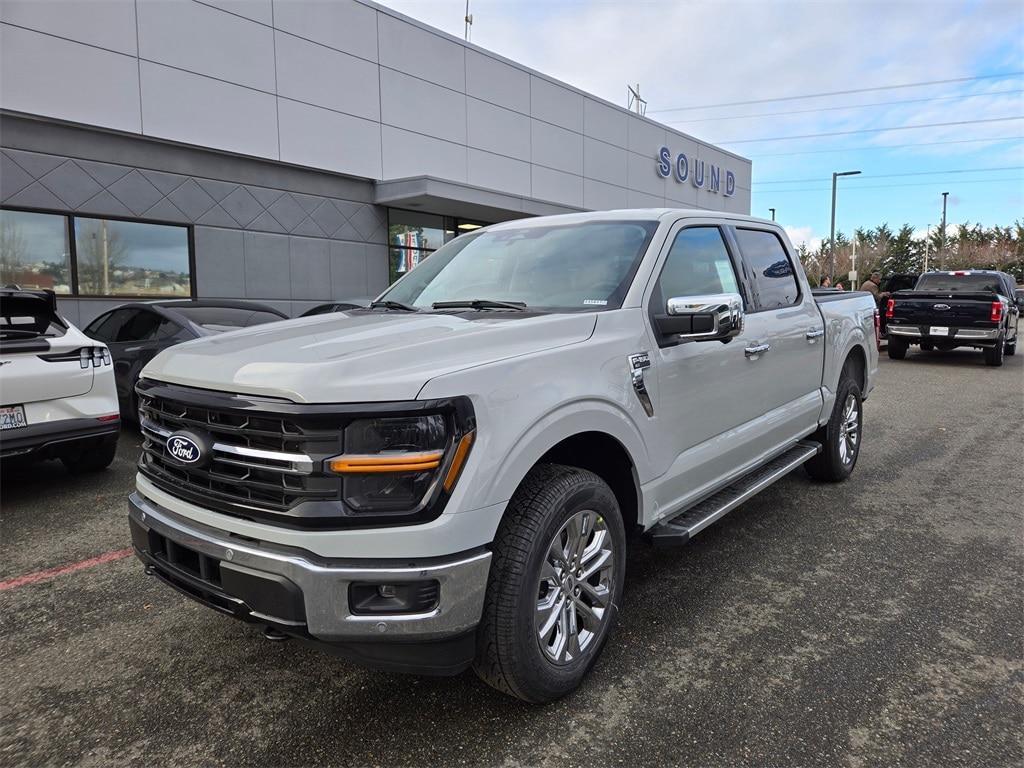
(447, 478)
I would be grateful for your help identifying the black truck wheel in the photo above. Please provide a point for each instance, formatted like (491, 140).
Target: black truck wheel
(1011, 347)
(555, 584)
(840, 438)
(897, 348)
(994, 354)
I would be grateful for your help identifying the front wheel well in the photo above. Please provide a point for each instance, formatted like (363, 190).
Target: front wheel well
(606, 457)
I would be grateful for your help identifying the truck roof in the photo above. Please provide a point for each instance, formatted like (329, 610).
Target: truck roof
(627, 214)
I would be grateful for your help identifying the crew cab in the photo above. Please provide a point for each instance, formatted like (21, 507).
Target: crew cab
(964, 308)
(57, 397)
(447, 478)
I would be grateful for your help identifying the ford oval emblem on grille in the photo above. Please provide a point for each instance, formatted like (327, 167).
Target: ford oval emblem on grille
(183, 448)
(940, 307)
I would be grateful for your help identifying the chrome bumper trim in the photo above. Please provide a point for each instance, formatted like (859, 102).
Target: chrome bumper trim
(324, 586)
(989, 334)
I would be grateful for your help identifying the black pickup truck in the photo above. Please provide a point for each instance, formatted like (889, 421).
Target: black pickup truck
(970, 308)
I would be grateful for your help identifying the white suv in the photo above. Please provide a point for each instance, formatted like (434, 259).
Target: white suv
(57, 396)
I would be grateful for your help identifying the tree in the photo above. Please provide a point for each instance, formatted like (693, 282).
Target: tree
(101, 251)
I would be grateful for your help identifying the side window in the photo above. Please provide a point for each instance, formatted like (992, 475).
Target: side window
(698, 263)
(106, 327)
(140, 327)
(772, 272)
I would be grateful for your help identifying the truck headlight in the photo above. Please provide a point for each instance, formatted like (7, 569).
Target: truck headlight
(394, 464)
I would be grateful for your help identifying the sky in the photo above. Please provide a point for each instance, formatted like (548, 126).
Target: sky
(692, 54)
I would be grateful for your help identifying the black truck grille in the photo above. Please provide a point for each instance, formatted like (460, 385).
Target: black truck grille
(258, 465)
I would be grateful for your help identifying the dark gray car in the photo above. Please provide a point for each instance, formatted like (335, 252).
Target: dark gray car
(137, 331)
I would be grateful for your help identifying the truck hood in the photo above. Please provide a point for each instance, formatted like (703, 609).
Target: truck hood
(360, 357)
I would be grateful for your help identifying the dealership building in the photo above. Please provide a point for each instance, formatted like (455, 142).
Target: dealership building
(292, 152)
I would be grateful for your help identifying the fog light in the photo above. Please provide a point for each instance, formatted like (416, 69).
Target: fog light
(402, 597)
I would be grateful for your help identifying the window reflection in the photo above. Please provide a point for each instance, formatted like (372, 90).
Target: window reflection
(131, 258)
(34, 251)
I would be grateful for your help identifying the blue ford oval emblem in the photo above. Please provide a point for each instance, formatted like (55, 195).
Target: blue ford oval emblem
(184, 449)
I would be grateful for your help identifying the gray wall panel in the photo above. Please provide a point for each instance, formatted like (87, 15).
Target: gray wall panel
(45, 75)
(267, 261)
(498, 172)
(257, 10)
(210, 113)
(221, 264)
(107, 24)
(556, 186)
(220, 45)
(310, 264)
(497, 82)
(556, 147)
(343, 24)
(497, 129)
(410, 154)
(320, 138)
(555, 104)
(327, 78)
(604, 162)
(416, 105)
(605, 123)
(415, 51)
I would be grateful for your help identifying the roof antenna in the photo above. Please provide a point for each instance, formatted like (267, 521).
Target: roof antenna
(635, 103)
(469, 21)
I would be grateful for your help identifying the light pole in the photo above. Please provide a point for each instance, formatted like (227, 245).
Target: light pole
(773, 213)
(832, 229)
(942, 261)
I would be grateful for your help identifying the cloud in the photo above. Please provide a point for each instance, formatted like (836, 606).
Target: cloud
(803, 236)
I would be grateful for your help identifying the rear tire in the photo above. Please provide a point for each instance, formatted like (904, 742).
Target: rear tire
(994, 354)
(897, 349)
(91, 457)
(527, 645)
(1011, 348)
(840, 438)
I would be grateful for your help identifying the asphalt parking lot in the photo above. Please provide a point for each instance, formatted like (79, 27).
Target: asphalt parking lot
(878, 622)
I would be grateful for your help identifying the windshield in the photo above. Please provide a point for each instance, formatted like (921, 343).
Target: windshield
(584, 266)
(937, 281)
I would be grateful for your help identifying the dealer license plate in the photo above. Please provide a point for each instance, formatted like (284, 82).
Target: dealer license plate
(938, 330)
(12, 417)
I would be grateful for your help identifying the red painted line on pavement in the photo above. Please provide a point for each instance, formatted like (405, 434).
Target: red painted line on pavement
(49, 573)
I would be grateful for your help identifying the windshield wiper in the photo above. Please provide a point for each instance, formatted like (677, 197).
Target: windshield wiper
(390, 304)
(519, 306)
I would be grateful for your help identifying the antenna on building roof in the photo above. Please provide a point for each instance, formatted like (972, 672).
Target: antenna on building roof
(635, 103)
(469, 21)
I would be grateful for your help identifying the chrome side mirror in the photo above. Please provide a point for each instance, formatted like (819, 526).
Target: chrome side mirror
(714, 317)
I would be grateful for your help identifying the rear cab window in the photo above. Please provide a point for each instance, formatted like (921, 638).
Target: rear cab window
(966, 282)
(772, 275)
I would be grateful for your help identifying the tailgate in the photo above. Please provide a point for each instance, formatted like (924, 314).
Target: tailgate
(30, 332)
(949, 309)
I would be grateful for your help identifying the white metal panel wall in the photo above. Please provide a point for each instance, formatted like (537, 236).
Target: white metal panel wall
(345, 86)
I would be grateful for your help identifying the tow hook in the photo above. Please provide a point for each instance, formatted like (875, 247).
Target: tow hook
(274, 635)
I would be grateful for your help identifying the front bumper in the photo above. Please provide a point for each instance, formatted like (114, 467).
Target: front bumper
(307, 596)
(966, 335)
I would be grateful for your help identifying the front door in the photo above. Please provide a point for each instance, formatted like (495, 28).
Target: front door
(707, 391)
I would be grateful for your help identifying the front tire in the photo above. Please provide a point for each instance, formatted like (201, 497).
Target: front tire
(555, 584)
(897, 349)
(840, 439)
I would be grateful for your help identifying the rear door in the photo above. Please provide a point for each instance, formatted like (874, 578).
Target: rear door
(39, 352)
(787, 325)
(134, 337)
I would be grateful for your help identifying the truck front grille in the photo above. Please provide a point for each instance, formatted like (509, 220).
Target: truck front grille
(258, 466)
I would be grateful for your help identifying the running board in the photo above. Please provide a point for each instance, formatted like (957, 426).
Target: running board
(692, 521)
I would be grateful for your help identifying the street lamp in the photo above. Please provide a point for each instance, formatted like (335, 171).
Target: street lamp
(773, 213)
(832, 234)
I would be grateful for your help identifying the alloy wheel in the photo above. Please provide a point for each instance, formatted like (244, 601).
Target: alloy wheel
(849, 430)
(575, 589)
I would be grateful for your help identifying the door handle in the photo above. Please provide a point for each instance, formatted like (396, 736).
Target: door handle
(815, 333)
(757, 349)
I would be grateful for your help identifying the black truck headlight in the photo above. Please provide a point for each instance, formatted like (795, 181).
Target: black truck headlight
(392, 464)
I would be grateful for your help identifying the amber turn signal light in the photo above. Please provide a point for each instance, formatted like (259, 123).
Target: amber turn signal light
(376, 463)
(461, 452)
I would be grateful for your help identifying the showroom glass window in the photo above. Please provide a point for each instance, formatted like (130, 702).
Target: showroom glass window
(131, 258)
(34, 252)
(413, 236)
